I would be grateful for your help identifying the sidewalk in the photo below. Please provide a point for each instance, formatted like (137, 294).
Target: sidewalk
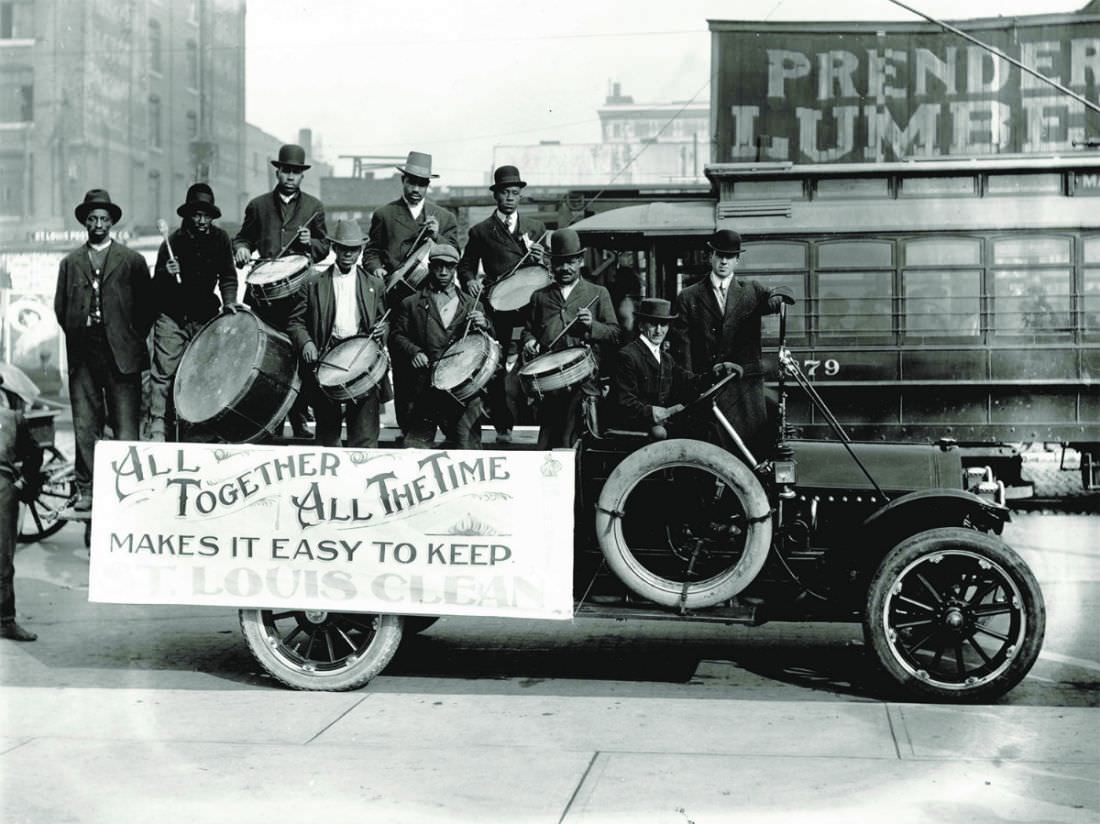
(99, 755)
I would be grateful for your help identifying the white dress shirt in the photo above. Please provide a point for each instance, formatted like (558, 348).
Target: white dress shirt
(566, 289)
(653, 348)
(509, 221)
(718, 285)
(346, 322)
(416, 210)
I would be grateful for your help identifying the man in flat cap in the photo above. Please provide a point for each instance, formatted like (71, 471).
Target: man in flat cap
(193, 259)
(285, 221)
(427, 323)
(495, 248)
(344, 301)
(719, 320)
(396, 230)
(104, 304)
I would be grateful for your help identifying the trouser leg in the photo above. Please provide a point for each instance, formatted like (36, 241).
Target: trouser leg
(124, 404)
(363, 426)
(9, 511)
(464, 427)
(86, 397)
(170, 339)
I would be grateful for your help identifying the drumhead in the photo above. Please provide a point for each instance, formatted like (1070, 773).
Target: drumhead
(554, 361)
(514, 292)
(273, 271)
(216, 366)
(462, 359)
(347, 360)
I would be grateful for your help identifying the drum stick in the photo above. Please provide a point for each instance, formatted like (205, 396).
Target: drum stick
(317, 364)
(162, 227)
(290, 242)
(477, 297)
(588, 305)
(526, 255)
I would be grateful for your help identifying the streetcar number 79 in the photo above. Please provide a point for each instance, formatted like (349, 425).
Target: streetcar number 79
(830, 367)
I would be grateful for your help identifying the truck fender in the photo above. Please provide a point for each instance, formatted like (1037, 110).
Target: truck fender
(931, 508)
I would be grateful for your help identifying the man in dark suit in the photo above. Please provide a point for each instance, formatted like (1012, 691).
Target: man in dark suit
(498, 245)
(285, 221)
(342, 302)
(104, 305)
(395, 231)
(719, 320)
(190, 262)
(569, 312)
(648, 386)
(427, 323)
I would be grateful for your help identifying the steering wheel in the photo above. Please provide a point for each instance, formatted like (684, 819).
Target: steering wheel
(705, 397)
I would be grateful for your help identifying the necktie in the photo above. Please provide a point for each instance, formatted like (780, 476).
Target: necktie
(722, 296)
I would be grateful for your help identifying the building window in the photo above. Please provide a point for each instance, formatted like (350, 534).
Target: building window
(193, 12)
(192, 125)
(192, 64)
(154, 122)
(154, 195)
(16, 94)
(16, 19)
(156, 50)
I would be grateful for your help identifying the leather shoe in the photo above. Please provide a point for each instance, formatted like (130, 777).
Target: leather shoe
(504, 436)
(300, 430)
(13, 632)
(83, 504)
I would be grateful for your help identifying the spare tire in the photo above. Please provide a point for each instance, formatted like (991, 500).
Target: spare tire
(734, 537)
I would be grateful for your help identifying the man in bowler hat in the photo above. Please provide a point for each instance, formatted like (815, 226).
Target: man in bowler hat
(104, 304)
(648, 386)
(286, 221)
(344, 301)
(497, 246)
(719, 320)
(194, 258)
(571, 311)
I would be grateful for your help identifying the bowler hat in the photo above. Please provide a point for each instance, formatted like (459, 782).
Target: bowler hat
(565, 243)
(443, 251)
(507, 176)
(98, 199)
(418, 164)
(200, 198)
(348, 233)
(726, 242)
(654, 309)
(292, 156)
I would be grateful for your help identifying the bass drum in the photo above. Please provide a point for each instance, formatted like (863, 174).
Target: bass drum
(238, 378)
(683, 522)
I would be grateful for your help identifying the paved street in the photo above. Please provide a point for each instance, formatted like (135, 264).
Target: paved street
(119, 713)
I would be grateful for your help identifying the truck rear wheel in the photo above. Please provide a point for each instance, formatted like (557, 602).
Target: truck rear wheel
(955, 615)
(683, 522)
(317, 650)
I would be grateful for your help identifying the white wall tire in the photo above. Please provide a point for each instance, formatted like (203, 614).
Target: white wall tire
(733, 562)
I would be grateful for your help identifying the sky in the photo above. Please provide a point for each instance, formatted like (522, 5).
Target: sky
(455, 78)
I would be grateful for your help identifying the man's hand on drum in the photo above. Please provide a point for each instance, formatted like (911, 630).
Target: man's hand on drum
(431, 226)
(231, 307)
(584, 317)
(661, 414)
(379, 272)
(381, 331)
(474, 285)
(725, 368)
(309, 352)
(242, 256)
(420, 361)
(304, 236)
(477, 318)
(531, 348)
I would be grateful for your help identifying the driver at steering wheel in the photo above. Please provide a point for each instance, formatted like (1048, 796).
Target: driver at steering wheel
(649, 386)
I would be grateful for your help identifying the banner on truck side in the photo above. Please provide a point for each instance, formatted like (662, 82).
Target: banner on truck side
(416, 531)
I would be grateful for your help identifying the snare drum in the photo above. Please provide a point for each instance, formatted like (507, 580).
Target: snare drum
(238, 377)
(352, 368)
(466, 366)
(411, 273)
(271, 280)
(556, 371)
(514, 292)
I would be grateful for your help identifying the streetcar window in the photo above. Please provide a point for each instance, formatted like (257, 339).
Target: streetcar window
(943, 252)
(942, 303)
(855, 304)
(773, 256)
(1032, 250)
(1033, 183)
(796, 315)
(1090, 303)
(937, 186)
(1032, 302)
(855, 254)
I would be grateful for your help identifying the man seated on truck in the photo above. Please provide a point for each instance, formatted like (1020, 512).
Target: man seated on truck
(648, 386)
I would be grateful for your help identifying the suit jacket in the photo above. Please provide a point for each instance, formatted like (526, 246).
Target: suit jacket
(639, 384)
(549, 313)
(312, 317)
(419, 326)
(204, 261)
(393, 230)
(704, 334)
(127, 302)
(497, 249)
(268, 226)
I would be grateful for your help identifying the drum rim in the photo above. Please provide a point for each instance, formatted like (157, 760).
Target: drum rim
(587, 355)
(385, 357)
(491, 345)
(306, 264)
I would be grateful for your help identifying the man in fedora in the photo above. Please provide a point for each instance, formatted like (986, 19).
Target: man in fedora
(719, 320)
(571, 311)
(496, 246)
(648, 386)
(393, 236)
(194, 258)
(286, 221)
(104, 304)
(345, 300)
(427, 323)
